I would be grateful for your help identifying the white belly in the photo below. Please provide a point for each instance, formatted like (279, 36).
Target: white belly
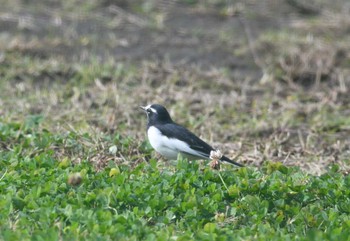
(168, 147)
(160, 144)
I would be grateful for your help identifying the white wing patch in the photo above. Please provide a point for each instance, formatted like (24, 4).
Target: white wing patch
(169, 147)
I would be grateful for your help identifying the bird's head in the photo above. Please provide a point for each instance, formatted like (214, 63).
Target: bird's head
(156, 114)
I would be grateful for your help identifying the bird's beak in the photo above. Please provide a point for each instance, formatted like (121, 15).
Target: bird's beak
(143, 108)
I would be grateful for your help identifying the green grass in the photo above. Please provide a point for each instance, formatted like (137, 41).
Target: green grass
(188, 201)
(75, 163)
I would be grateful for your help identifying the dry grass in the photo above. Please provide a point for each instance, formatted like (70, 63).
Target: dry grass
(297, 113)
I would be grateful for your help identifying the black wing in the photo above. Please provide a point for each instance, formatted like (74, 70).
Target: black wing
(173, 130)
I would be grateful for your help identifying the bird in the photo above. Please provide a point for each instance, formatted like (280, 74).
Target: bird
(171, 139)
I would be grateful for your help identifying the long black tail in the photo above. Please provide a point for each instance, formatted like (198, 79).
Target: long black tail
(226, 159)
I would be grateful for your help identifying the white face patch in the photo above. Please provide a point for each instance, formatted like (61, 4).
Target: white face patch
(153, 110)
(148, 107)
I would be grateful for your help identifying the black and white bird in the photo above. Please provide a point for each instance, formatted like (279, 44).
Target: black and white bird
(170, 139)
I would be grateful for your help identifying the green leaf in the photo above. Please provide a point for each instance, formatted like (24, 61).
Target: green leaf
(210, 227)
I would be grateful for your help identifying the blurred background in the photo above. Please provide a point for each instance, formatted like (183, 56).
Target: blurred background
(266, 78)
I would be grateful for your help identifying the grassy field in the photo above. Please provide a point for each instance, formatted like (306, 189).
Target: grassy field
(268, 80)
